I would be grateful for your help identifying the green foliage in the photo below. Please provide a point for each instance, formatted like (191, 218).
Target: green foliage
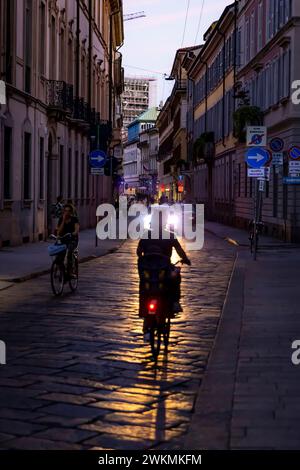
(243, 117)
(200, 143)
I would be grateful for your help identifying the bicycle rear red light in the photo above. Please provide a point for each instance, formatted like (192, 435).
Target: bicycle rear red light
(152, 306)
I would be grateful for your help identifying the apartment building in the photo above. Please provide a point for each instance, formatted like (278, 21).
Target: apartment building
(140, 94)
(139, 153)
(172, 127)
(237, 80)
(63, 78)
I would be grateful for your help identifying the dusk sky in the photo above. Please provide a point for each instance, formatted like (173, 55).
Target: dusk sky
(151, 42)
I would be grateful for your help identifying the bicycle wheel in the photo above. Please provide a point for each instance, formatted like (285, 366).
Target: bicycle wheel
(57, 278)
(166, 332)
(155, 340)
(73, 281)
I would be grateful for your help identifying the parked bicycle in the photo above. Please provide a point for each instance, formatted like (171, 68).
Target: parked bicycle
(64, 267)
(255, 230)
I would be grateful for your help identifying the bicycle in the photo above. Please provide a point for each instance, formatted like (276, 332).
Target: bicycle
(63, 269)
(255, 229)
(156, 303)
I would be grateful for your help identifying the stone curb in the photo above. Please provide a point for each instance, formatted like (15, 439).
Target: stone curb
(33, 275)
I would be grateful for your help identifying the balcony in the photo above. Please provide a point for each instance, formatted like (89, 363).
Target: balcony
(59, 98)
(81, 110)
(180, 85)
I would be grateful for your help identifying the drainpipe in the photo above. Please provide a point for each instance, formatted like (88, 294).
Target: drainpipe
(77, 78)
(90, 57)
(224, 88)
(110, 73)
(235, 47)
(206, 90)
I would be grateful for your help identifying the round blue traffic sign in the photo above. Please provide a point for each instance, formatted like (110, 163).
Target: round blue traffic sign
(257, 157)
(276, 144)
(294, 152)
(97, 159)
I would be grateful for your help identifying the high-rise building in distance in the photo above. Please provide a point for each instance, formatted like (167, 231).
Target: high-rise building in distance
(140, 94)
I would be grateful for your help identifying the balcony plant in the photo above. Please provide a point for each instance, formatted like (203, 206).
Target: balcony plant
(246, 116)
(201, 146)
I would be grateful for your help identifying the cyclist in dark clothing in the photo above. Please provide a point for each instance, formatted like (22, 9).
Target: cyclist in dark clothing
(165, 247)
(68, 223)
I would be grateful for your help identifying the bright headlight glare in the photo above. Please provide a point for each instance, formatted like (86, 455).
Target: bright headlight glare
(147, 222)
(172, 220)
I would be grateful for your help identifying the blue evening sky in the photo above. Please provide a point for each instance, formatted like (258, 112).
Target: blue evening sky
(151, 42)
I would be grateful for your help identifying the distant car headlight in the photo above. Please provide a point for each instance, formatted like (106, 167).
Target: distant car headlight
(147, 222)
(172, 220)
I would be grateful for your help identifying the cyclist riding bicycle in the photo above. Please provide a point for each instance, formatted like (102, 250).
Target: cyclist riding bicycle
(69, 223)
(164, 246)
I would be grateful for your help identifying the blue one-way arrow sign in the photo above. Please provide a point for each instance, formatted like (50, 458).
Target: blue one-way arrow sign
(257, 157)
(97, 159)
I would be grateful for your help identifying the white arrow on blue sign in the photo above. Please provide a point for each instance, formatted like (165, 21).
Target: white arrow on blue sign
(257, 157)
(97, 159)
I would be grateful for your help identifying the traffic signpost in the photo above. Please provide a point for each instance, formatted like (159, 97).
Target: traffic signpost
(294, 152)
(257, 157)
(291, 180)
(276, 144)
(294, 168)
(256, 136)
(277, 158)
(256, 172)
(97, 159)
(261, 186)
(258, 160)
(266, 174)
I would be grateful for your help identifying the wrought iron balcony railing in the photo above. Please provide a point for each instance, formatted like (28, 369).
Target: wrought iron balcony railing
(59, 95)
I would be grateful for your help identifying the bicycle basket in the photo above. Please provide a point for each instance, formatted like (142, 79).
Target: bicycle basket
(54, 250)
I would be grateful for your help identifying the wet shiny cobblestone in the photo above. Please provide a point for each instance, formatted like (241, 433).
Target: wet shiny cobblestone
(79, 374)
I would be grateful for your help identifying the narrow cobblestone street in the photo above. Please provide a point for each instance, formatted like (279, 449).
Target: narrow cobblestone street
(79, 374)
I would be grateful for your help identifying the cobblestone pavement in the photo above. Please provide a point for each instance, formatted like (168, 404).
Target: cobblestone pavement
(79, 374)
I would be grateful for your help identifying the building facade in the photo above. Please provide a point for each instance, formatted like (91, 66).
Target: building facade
(172, 127)
(138, 166)
(237, 80)
(148, 144)
(63, 78)
(140, 94)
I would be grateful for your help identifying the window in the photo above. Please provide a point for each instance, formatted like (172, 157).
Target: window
(260, 25)
(76, 173)
(275, 192)
(70, 173)
(87, 179)
(28, 44)
(42, 163)
(246, 180)
(9, 30)
(62, 58)
(240, 45)
(61, 170)
(279, 13)
(252, 35)
(42, 38)
(52, 68)
(70, 61)
(7, 162)
(82, 175)
(27, 166)
(247, 40)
